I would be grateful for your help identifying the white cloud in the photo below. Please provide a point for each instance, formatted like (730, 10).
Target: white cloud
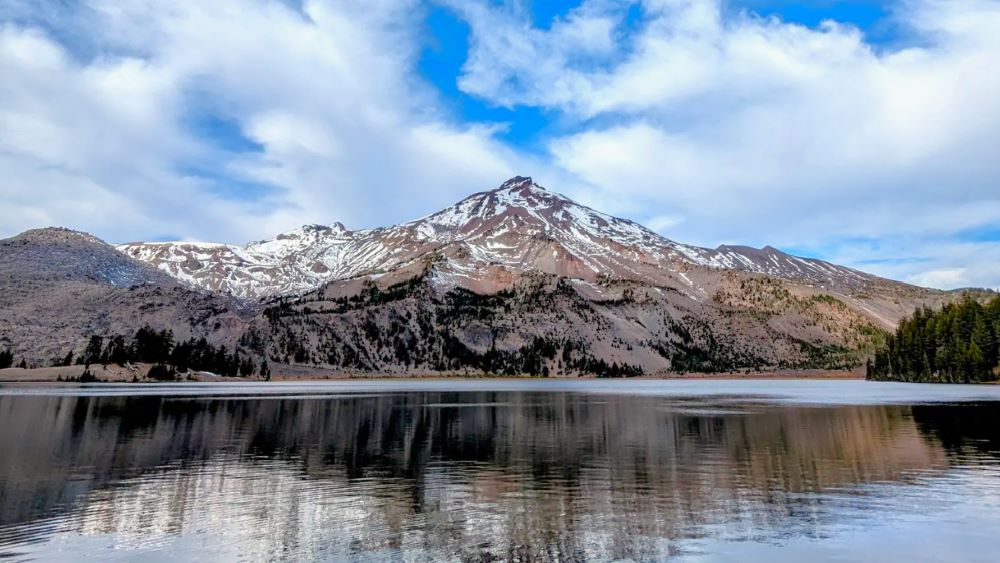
(709, 126)
(931, 261)
(110, 143)
(663, 222)
(758, 131)
(949, 277)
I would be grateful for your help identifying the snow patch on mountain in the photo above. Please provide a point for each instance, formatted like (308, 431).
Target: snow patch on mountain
(519, 227)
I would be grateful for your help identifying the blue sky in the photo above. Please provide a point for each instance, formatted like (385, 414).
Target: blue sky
(444, 49)
(859, 132)
(447, 43)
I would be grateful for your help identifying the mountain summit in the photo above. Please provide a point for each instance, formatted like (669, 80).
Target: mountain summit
(514, 280)
(484, 241)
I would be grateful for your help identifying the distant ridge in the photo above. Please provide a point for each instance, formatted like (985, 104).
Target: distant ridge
(514, 280)
(520, 226)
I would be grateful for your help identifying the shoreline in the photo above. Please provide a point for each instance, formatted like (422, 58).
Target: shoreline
(135, 374)
(784, 374)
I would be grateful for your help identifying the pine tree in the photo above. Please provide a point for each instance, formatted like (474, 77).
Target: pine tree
(117, 352)
(94, 351)
(6, 359)
(959, 343)
(984, 338)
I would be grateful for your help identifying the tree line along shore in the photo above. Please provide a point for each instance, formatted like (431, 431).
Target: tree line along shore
(959, 343)
(167, 359)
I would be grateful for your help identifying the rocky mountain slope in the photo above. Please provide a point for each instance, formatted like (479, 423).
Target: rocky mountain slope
(521, 280)
(513, 280)
(551, 325)
(517, 228)
(58, 287)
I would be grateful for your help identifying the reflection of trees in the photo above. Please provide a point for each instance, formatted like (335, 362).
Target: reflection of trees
(964, 430)
(532, 475)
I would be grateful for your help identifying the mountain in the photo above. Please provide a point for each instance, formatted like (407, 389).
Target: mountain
(59, 286)
(517, 228)
(512, 280)
(53, 255)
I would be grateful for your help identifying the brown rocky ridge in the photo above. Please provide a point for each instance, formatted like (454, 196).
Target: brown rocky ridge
(515, 280)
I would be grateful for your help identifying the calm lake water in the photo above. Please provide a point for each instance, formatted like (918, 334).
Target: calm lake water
(501, 470)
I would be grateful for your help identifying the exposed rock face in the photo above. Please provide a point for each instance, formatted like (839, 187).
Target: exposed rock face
(559, 326)
(512, 280)
(55, 254)
(58, 286)
(517, 228)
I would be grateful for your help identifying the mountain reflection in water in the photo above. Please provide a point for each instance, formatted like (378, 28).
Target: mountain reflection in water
(479, 476)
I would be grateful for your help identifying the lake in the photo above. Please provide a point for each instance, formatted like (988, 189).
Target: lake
(498, 470)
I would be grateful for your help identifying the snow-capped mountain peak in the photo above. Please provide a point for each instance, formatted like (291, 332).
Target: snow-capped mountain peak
(518, 193)
(521, 203)
(519, 227)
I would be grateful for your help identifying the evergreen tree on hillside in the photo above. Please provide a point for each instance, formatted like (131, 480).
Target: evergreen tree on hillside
(6, 359)
(157, 347)
(152, 346)
(958, 344)
(117, 351)
(94, 352)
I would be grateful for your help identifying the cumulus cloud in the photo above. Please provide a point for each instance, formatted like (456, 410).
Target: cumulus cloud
(113, 132)
(236, 119)
(755, 130)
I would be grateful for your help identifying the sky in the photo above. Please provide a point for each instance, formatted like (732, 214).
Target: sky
(864, 133)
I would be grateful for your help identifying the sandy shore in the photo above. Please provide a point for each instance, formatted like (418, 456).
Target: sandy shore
(106, 374)
(109, 373)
